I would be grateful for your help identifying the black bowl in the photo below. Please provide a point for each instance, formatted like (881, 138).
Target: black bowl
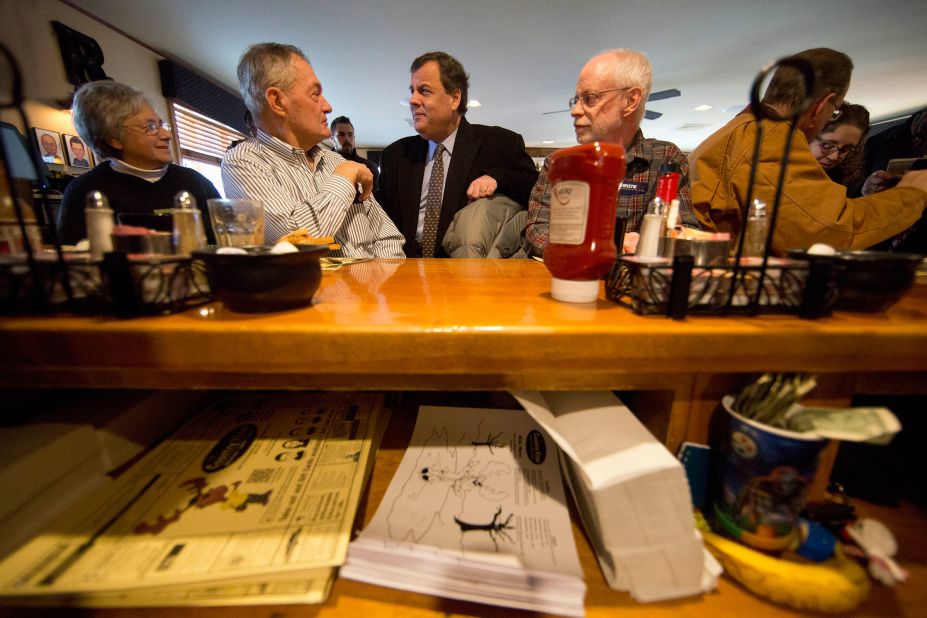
(873, 281)
(260, 281)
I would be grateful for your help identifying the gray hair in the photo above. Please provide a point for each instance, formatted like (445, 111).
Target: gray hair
(832, 71)
(99, 110)
(263, 66)
(632, 68)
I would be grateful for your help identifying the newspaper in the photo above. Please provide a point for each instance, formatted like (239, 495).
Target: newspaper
(476, 511)
(308, 587)
(253, 489)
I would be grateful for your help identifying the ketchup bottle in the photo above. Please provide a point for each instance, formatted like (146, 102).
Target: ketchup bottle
(584, 194)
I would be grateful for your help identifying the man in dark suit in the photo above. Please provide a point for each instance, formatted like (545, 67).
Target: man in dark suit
(477, 162)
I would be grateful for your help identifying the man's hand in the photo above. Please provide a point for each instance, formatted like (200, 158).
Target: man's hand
(357, 173)
(484, 186)
(630, 242)
(914, 179)
(878, 181)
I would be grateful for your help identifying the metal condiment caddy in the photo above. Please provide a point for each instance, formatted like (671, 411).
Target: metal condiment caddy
(678, 286)
(33, 280)
(116, 285)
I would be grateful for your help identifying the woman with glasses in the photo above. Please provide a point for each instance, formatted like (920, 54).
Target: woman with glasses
(838, 148)
(137, 175)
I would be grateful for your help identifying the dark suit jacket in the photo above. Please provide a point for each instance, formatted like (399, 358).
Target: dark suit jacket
(478, 150)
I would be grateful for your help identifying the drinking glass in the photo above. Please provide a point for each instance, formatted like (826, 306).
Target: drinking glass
(237, 222)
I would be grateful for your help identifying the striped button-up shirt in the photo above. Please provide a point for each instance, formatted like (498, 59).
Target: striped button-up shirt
(301, 190)
(644, 158)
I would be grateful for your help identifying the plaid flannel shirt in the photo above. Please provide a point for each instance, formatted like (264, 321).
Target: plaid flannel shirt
(644, 158)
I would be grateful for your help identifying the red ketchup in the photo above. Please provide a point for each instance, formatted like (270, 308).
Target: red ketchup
(584, 194)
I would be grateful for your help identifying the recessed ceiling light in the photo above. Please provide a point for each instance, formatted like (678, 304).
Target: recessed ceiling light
(702, 108)
(547, 141)
(474, 103)
(404, 102)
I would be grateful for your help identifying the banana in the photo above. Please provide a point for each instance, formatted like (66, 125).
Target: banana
(837, 585)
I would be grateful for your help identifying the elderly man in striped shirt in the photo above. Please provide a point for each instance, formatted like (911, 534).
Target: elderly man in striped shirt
(302, 184)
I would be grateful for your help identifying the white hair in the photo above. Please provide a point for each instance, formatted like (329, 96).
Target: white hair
(99, 110)
(632, 68)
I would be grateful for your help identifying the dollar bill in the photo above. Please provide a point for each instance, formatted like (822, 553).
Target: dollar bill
(872, 425)
(772, 396)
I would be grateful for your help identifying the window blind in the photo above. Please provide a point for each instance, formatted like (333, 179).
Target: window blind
(201, 137)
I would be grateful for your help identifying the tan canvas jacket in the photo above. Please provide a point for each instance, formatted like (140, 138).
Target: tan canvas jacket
(813, 208)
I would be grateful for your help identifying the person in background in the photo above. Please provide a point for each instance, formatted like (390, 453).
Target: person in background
(301, 184)
(905, 141)
(608, 106)
(813, 209)
(343, 139)
(249, 125)
(120, 124)
(482, 169)
(838, 148)
(80, 152)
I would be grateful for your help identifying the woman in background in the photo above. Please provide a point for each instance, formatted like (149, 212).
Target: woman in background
(138, 177)
(838, 148)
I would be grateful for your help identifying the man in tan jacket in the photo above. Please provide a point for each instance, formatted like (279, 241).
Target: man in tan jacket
(813, 208)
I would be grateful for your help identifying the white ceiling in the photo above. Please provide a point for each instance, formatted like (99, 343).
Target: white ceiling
(523, 55)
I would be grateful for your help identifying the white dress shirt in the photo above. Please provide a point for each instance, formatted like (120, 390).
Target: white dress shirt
(300, 191)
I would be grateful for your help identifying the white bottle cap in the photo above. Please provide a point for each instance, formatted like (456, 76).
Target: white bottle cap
(570, 291)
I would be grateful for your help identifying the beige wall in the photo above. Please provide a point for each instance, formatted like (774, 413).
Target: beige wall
(26, 29)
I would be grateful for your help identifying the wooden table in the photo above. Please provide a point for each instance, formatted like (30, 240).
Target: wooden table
(472, 325)
(482, 325)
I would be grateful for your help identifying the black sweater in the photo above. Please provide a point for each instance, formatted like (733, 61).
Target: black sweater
(130, 194)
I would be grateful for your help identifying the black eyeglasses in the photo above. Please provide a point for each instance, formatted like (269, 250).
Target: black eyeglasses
(829, 147)
(591, 99)
(151, 127)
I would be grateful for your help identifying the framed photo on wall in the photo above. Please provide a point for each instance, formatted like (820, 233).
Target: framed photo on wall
(79, 154)
(49, 144)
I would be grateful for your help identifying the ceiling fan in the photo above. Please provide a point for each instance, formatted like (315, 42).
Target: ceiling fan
(648, 114)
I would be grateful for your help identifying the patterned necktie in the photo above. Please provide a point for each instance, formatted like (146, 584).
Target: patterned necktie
(433, 204)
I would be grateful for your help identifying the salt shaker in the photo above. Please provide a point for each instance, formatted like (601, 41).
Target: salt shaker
(756, 230)
(99, 218)
(652, 227)
(189, 233)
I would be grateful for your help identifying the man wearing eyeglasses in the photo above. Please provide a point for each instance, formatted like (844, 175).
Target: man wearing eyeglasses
(813, 208)
(608, 106)
(477, 184)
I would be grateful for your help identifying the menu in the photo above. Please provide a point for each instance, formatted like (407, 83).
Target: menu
(256, 493)
(476, 511)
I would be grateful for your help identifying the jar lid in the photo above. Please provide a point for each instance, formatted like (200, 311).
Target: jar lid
(570, 291)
